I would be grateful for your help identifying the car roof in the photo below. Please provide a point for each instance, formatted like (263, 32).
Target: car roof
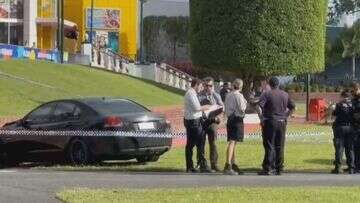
(98, 99)
(87, 100)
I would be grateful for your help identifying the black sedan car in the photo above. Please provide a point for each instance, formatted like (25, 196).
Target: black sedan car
(89, 114)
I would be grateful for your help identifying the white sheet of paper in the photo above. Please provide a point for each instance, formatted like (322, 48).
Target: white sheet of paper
(213, 108)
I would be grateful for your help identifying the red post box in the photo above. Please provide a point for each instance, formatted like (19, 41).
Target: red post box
(317, 109)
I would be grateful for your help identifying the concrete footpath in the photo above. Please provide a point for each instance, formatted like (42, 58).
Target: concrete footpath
(37, 186)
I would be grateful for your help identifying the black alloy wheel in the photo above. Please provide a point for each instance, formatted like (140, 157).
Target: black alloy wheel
(79, 153)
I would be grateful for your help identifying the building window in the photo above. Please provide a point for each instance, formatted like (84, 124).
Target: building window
(4, 37)
(16, 34)
(16, 9)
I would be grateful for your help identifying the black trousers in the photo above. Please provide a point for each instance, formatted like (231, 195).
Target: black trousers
(195, 137)
(274, 141)
(344, 140)
(357, 148)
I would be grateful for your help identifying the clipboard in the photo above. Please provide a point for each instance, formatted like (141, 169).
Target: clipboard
(214, 111)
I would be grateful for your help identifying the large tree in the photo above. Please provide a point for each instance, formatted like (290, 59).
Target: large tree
(258, 37)
(350, 39)
(176, 29)
(340, 7)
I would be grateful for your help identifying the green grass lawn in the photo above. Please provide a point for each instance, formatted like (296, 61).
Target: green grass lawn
(303, 153)
(221, 194)
(300, 109)
(18, 96)
(299, 157)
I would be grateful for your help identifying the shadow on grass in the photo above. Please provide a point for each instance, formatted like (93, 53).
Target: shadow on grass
(145, 169)
(162, 86)
(328, 162)
(159, 85)
(124, 166)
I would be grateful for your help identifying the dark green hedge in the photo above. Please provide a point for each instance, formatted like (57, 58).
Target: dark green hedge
(258, 37)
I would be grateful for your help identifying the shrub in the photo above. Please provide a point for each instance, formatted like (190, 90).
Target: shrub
(338, 88)
(330, 89)
(258, 37)
(315, 88)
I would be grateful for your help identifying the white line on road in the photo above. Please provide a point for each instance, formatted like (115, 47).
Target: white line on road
(7, 171)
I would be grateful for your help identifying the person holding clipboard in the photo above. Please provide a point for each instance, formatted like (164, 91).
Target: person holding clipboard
(211, 121)
(193, 113)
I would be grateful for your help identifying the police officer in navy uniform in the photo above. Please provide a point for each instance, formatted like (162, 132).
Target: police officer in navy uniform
(356, 123)
(276, 106)
(343, 133)
(209, 97)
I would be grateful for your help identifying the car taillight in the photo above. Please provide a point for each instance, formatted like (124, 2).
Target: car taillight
(113, 121)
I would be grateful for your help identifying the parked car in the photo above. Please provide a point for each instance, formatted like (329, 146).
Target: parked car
(88, 114)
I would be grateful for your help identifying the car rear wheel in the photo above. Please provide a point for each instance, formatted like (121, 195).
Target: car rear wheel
(12, 159)
(150, 158)
(78, 153)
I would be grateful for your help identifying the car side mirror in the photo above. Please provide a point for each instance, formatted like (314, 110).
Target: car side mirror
(25, 122)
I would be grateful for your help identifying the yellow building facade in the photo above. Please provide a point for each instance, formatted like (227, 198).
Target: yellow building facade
(123, 22)
(46, 24)
(115, 24)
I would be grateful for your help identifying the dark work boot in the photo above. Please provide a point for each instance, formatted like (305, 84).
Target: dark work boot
(229, 171)
(192, 170)
(215, 168)
(336, 170)
(237, 169)
(267, 173)
(204, 168)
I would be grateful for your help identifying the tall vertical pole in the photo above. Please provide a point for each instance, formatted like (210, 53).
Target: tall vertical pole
(354, 68)
(141, 30)
(307, 96)
(62, 33)
(58, 25)
(91, 30)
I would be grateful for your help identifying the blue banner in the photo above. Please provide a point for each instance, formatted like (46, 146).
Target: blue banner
(19, 52)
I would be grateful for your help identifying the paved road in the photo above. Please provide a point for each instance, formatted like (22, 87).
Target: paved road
(24, 185)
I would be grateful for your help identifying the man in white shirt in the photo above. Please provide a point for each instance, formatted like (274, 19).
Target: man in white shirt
(193, 112)
(235, 106)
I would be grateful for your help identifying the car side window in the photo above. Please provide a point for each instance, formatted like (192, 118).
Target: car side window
(41, 115)
(66, 111)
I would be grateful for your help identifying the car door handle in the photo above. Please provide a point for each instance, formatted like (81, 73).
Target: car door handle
(8, 138)
(68, 125)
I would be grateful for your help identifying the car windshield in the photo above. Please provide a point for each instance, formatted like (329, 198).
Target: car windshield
(116, 106)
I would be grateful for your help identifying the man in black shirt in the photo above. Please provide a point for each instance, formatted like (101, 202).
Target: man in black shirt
(343, 133)
(276, 107)
(356, 123)
(224, 91)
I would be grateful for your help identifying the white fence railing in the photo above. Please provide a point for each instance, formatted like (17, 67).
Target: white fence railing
(160, 73)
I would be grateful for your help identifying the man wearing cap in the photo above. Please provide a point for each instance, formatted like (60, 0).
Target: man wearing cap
(276, 106)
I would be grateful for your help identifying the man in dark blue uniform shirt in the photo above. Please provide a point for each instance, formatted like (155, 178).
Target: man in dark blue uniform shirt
(276, 106)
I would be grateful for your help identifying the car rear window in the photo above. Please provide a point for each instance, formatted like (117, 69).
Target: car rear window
(116, 106)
